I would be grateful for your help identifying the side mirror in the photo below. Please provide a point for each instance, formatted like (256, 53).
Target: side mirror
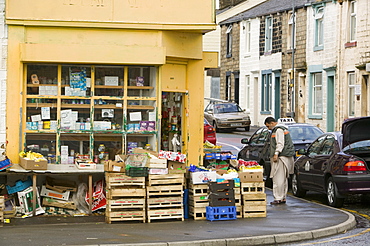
(210, 111)
(302, 151)
(244, 141)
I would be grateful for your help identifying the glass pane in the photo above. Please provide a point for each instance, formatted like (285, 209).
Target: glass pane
(42, 76)
(140, 141)
(72, 146)
(41, 114)
(107, 146)
(109, 113)
(76, 80)
(75, 114)
(109, 81)
(42, 143)
(141, 81)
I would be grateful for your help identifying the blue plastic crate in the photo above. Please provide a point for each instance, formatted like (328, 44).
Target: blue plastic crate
(221, 213)
(19, 186)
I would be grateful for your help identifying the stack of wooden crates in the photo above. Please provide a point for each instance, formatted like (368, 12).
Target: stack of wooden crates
(2, 207)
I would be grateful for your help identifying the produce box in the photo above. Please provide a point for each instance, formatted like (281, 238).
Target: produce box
(203, 177)
(176, 167)
(25, 198)
(54, 194)
(114, 166)
(51, 202)
(254, 175)
(85, 164)
(158, 170)
(34, 165)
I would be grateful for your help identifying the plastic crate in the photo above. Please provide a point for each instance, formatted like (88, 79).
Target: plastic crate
(137, 171)
(19, 186)
(221, 213)
(4, 164)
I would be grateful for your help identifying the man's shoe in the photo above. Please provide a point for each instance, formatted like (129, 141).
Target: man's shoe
(276, 202)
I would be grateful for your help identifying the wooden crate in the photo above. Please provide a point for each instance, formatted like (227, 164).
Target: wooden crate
(198, 189)
(2, 203)
(117, 192)
(253, 187)
(198, 201)
(166, 179)
(173, 213)
(170, 190)
(239, 212)
(198, 213)
(111, 216)
(254, 205)
(123, 203)
(164, 202)
(120, 179)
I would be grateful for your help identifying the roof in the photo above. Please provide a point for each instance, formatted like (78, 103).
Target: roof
(266, 8)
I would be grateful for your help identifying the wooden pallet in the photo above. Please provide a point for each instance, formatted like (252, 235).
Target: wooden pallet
(198, 213)
(125, 216)
(1, 217)
(164, 202)
(254, 205)
(254, 187)
(239, 212)
(125, 203)
(166, 179)
(116, 192)
(2, 203)
(164, 190)
(120, 179)
(198, 189)
(173, 213)
(198, 201)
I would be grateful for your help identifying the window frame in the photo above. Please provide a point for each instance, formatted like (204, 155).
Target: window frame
(319, 27)
(292, 31)
(351, 79)
(248, 27)
(352, 15)
(315, 88)
(266, 93)
(229, 40)
(269, 23)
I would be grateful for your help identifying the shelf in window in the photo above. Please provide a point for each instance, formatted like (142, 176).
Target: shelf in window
(142, 133)
(40, 131)
(142, 98)
(108, 86)
(140, 107)
(140, 87)
(69, 105)
(75, 97)
(37, 85)
(39, 105)
(106, 106)
(107, 132)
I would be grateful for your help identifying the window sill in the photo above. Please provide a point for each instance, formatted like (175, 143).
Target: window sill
(318, 48)
(315, 117)
(268, 53)
(228, 55)
(265, 112)
(350, 44)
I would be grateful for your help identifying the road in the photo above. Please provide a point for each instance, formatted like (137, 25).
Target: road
(357, 205)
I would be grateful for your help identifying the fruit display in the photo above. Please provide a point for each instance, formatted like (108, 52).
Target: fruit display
(209, 145)
(30, 155)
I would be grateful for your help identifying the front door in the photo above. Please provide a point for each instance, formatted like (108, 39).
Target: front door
(330, 105)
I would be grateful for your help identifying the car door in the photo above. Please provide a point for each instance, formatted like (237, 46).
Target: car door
(321, 163)
(208, 115)
(256, 144)
(306, 162)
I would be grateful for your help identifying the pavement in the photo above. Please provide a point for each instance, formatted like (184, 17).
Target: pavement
(297, 220)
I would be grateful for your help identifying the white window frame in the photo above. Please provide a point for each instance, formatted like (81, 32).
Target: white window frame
(268, 33)
(266, 92)
(352, 20)
(229, 40)
(317, 93)
(248, 36)
(292, 31)
(319, 26)
(248, 91)
(351, 93)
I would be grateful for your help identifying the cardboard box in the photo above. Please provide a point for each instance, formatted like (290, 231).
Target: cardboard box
(255, 175)
(25, 199)
(34, 165)
(158, 170)
(176, 167)
(54, 194)
(60, 185)
(85, 164)
(114, 166)
(203, 177)
(51, 202)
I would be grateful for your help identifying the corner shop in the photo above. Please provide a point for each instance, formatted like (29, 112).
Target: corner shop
(105, 39)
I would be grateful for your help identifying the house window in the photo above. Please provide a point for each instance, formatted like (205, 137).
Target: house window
(352, 21)
(266, 93)
(351, 94)
(319, 27)
(247, 37)
(268, 34)
(291, 32)
(317, 93)
(247, 91)
(229, 41)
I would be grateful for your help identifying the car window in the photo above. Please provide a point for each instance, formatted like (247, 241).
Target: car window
(315, 147)
(327, 146)
(226, 108)
(304, 133)
(358, 146)
(263, 136)
(209, 107)
(255, 137)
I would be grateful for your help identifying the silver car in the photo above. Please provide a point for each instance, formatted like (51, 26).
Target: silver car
(227, 115)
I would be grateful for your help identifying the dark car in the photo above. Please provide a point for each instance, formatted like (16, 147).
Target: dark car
(209, 133)
(227, 115)
(257, 147)
(336, 163)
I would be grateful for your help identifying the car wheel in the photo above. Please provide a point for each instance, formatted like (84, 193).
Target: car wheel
(297, 189)
(332, 194)
(215, 126)
(247, 128)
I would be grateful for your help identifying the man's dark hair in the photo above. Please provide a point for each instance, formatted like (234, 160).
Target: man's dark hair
(269, 120)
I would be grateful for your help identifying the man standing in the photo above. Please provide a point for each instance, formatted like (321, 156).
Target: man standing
(282, 159)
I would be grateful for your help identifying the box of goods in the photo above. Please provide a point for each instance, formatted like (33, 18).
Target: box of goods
(60, 185)
(137, 171)
(25, 199)
(176, 167)
(54, 194)
(151, 125)
(137, 160)
(85, 164)
(51, 202)
(203, 177)
(158, 170)
(36, 164)
(143, 125)
(99, 200)
(252, 175)
(114, 166)
(223, 184)
(155, 162)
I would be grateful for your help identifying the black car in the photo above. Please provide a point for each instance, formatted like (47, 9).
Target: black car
(257, 147)
(336, 163)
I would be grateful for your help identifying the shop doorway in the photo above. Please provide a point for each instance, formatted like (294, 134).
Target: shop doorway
(172, 121)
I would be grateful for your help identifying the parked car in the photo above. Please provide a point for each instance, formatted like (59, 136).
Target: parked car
(227, 115)
(209, 132)
(336, 163)
(257, 146)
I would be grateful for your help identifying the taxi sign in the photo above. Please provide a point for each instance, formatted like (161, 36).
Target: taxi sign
(286, 120)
